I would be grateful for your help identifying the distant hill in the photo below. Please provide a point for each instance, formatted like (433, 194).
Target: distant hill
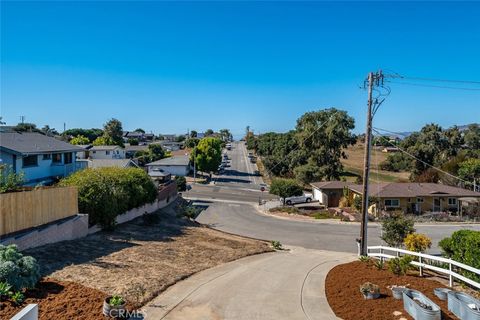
(403, 135)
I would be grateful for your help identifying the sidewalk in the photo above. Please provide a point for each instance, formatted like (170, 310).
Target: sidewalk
(281, 285)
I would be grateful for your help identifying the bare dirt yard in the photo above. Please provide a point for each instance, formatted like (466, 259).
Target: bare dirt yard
(342, 288)
(138, 260)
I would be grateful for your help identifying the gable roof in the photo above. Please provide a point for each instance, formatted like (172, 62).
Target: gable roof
(330, 184)
(102, 163)
(413, 189)
(97, 148)
(33, 143)
(171, 161)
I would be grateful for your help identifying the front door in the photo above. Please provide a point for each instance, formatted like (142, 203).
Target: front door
(437, 205)
(333, 199)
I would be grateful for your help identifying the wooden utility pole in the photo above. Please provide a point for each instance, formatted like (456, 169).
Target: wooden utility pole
(366, 168)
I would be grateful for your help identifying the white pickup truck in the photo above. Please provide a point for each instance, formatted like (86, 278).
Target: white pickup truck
(305, 198)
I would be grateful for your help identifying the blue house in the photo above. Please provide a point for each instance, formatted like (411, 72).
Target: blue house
(42, 159)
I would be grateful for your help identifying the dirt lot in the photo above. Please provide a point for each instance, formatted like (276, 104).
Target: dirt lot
(139, 259)
(343, 294)
(354, 164)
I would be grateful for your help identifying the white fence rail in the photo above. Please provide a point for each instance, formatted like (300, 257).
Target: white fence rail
(425, 262)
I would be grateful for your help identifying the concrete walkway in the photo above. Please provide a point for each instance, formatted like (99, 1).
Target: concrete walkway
(281, 285)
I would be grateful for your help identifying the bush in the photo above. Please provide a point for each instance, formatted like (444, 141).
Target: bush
(104, 193)
(464, 247)
(417, 242)
(276, 245)
(17, 270)
(395, 228)
(181, 183)
(399, 266)
(9, 180)
(285, 188)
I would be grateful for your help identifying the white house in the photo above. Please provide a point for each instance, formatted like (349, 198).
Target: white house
(40, 158)
(176, 165)
(106, 152)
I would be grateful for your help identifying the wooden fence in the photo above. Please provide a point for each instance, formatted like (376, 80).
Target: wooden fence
(23, 210)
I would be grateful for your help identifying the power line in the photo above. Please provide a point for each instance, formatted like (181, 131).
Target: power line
(432, 86)
(440, 80)
(418, 159)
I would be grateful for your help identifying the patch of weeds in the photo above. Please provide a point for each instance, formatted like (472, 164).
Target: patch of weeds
(379, 264)
(364, 258)
(289, 210)
(276, 245)
(400, 266)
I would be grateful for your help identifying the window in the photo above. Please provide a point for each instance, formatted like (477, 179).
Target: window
(419, 200)
(47, 157)
(107, 152)
(94, 151)
(67, 157)
(392, 203)
(30, 161)
(57, 158)
(452, 201)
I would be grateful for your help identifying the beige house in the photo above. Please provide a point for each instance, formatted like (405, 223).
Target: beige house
(417, 197)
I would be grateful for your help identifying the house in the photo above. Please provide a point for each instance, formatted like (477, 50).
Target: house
(390, 149)
(171, 145)
(86, 151)
(329, 193)
(105, 163)
(139, 136)
(159, 176)
(130, 151)
(416, 197)
(106, 152)
(176, 165)
(42, 159)
(169, 137)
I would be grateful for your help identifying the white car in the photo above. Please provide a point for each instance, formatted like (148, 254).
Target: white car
(305, 198)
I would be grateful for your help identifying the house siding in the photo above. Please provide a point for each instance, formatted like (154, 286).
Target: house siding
(102, 154)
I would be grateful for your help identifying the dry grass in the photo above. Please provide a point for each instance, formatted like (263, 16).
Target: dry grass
(139, 261)
(354, 164)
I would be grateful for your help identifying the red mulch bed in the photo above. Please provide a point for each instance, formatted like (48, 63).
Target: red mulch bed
(343, 292)
(60, 300)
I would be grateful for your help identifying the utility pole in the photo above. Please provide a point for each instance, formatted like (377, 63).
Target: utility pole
(374, 79)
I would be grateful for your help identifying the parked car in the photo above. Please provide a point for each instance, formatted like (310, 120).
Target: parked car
(228, 146)
(256, 172)
(305, 198)
(253, 159)
(250, 154)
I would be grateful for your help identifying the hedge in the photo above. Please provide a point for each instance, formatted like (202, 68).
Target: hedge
(464, 247)
(104, 193)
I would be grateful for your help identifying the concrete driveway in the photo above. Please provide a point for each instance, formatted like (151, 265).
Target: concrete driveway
(280, 285)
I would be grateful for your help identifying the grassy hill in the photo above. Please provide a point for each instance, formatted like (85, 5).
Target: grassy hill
(354, 166)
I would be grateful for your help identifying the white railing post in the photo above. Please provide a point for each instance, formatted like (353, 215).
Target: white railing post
(421, 268)
(450, 276)
(381, 252)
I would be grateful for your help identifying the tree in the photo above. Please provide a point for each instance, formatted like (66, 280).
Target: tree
(469, 169)
(208, 132)
(207, 155)
(180, 138)
(285, 188)
(9, 180)
(395, 228)
(27, 127)
(78, 140)
(139, 130)
(113, 130)
(225, 134)
(46, 130)
(251, 141)
(155, 152)
(192, 142)
(181, 183)
(472, 137)
(324, 134)
(91, 134)
(103, 141)
(193, 134)
(2, 122)
(133, 141)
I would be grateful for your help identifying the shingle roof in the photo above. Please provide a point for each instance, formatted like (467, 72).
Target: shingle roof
(136, 148)
(96, 148)
(31, 143)
(330, 184)
(171, 161)
(102, 163)
(414, 189)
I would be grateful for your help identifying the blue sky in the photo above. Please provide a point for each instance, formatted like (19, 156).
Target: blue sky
(167, 67)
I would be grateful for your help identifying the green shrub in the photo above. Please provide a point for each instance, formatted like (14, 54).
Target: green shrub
(464, 247)
(17, 298)
(181, 183)
(9, 180)
(4, 290)
(104, 193)
(395, 228)
(399, 266)
(276, 245)
(17, 270)
(379, 264)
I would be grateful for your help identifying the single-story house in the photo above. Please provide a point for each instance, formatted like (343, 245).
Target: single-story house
(139, 136)
(86, 151)
(176, 165)
(390, 149)
(106, 152)
(105, 163)
(416, 197)
(159, 176)
(329, 193)
(130, 151)
(42, 159)
(169, 137)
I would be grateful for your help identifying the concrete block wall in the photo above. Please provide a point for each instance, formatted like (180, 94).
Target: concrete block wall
(69, 229)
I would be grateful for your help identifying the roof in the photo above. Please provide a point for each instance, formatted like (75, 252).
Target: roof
(96, 148)
(413, 189)
(171, 161)
(136, 148)
(84, 146)
(32, 143)
(102, 163)
(158, 173)
(330, 184)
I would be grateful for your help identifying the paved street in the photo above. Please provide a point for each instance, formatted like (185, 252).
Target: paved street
(282, 285)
